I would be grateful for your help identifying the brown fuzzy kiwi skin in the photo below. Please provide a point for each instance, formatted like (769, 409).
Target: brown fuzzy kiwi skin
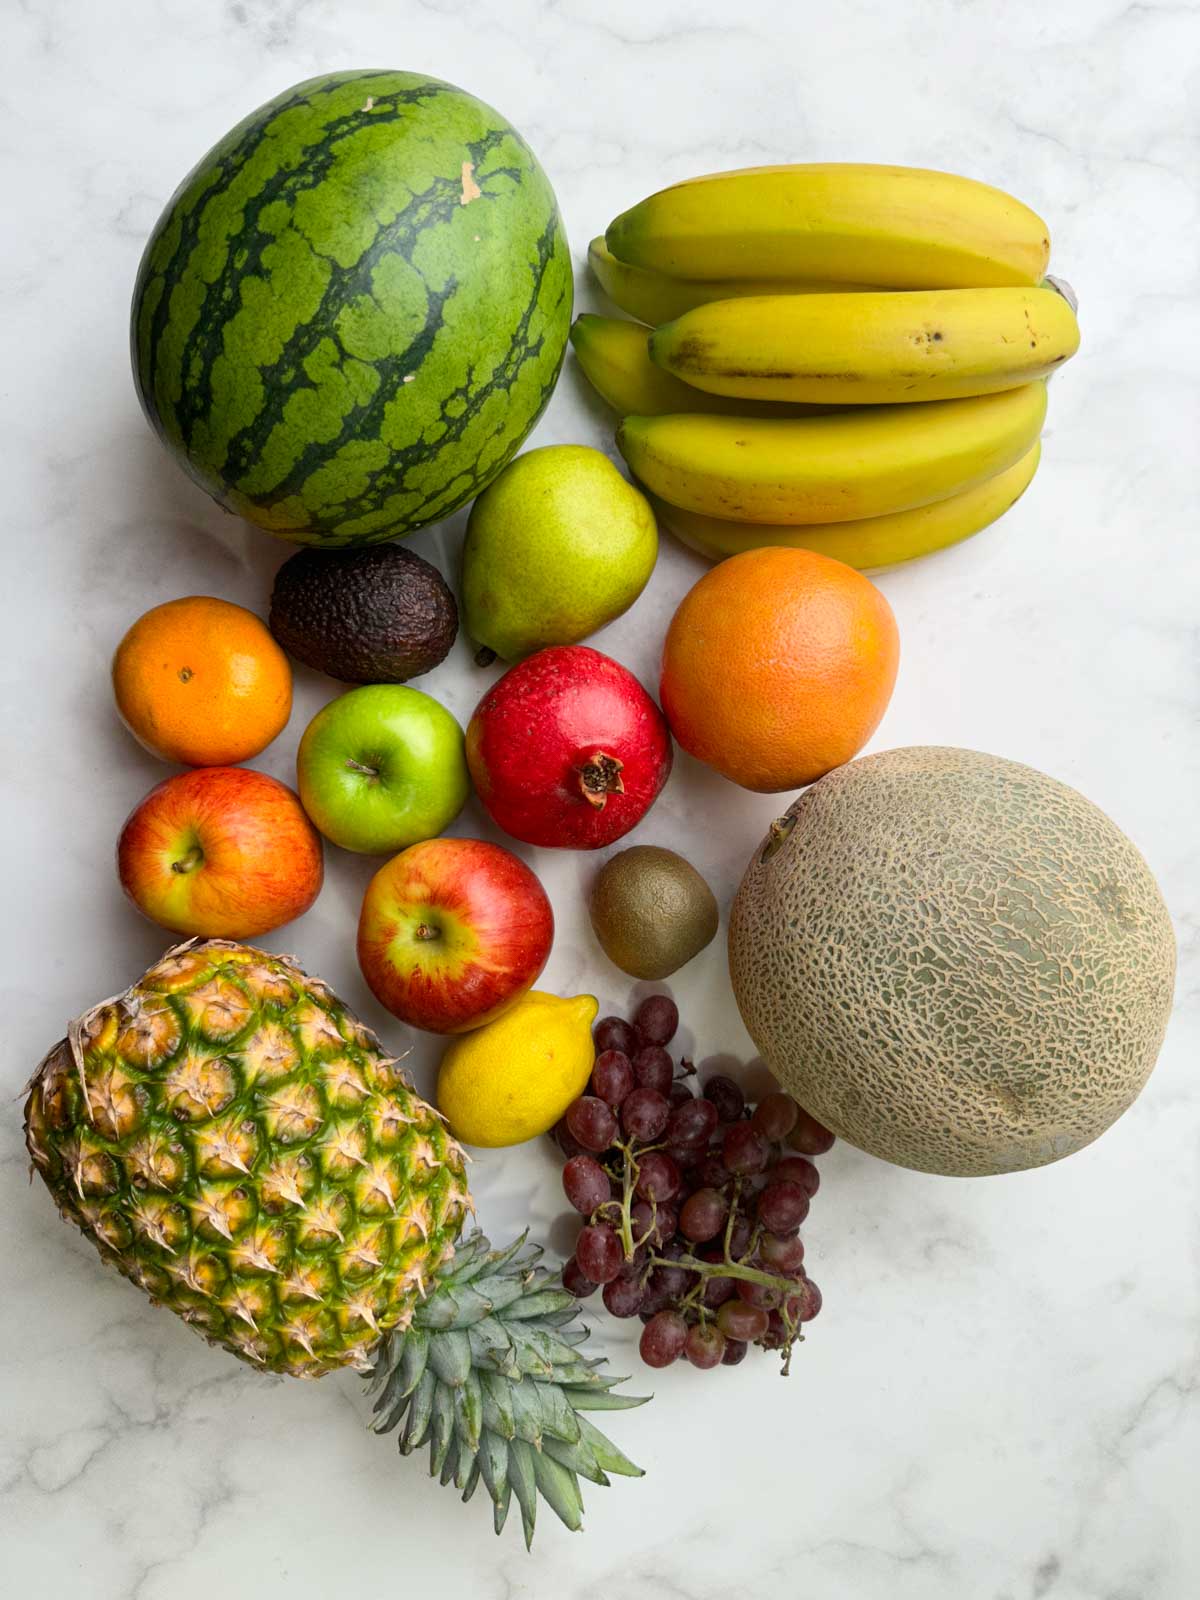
(651, 911)
(955, 962)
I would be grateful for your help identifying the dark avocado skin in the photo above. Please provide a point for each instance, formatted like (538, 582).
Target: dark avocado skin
(375, 615)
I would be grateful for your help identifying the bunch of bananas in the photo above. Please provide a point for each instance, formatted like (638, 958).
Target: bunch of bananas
(850, 359)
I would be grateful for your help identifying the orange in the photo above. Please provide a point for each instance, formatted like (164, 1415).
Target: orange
(778, 666)
(202, 682)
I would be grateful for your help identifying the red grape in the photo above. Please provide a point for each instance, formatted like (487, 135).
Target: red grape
(654, 1069)
(663, 1339)
(576, 1281)
(727, 1096)
(809, 1136)
(782, 1206)
(591, 1122)
(702, 1215)
(687, 1156)
(565, 1139)
(810, 1301)
(692, 1123)
(666, 1224)
(775, 1116)
(634, 1266)
(623, 1297)
(682, 1194)
(704, 1345)
(585, 1184)
(796, 1169)
(612, 1077)
(738, 1320)
(757, 1294)
(784, 1255)
(644, 1114)
(711, 1171)
(656, 1019)
(716, 1291)
(614, 1033)
(653, 1224)
(598, 1252)
(671, 1281)
(743, 1149)
(739, 1236)
(658, 1177)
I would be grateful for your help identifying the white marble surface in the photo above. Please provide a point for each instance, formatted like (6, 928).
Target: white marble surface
(1001, 1400)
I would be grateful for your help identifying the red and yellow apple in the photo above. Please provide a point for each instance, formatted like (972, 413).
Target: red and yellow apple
(453, 931)
(224, 852)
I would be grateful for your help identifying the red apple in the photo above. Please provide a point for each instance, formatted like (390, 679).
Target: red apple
(453, 931)
(224, 852)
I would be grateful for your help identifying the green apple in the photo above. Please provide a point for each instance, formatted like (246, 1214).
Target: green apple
(381, 768)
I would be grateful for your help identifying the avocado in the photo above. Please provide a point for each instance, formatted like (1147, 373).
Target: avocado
(651, 911)
(379, 615)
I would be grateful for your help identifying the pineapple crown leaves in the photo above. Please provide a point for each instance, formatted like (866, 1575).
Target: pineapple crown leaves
(489, 1373)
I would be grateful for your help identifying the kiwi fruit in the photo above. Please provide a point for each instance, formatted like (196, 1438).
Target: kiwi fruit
(651, 911)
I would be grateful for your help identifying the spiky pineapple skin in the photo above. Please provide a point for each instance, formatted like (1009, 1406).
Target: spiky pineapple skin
(238, 1144)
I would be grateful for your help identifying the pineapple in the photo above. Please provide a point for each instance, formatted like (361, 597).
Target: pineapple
(236, 1142)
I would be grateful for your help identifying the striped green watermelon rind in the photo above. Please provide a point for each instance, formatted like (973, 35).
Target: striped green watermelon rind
(354, 309)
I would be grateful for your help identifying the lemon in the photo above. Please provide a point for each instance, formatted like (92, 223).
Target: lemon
(514, 1078)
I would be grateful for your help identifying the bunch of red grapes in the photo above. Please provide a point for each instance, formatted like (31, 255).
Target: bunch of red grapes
(693, 1203)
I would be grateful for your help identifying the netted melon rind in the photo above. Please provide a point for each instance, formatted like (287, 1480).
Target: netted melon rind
(957, 963)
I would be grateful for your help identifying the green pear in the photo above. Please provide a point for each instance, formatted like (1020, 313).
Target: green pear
(556, 547)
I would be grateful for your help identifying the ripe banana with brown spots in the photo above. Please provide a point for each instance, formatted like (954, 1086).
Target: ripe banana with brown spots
(614, 357)
(879, 348)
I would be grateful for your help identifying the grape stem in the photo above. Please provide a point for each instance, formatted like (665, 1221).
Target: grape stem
(723, 1269)
(628, 1179)
(726, 1268)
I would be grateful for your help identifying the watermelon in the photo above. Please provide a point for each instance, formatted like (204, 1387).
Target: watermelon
(354, 309)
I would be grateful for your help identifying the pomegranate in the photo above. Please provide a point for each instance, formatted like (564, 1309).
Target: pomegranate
(567, 749)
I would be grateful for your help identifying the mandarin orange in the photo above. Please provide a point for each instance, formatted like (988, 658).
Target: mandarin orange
(202, 682)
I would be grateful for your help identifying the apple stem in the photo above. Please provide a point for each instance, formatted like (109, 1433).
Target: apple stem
(359, 766)
(424, 931)
(189, 862)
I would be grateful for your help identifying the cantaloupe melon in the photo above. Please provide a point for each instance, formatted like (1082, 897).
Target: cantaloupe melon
(955, 962)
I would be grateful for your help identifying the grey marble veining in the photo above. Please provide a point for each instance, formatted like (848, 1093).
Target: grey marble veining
(1001, 1399)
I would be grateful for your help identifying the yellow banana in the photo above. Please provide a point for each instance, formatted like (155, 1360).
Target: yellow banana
(892, 227)
(879, 348)
(652, 298)
(857, 463)
(871, 541)
(617, 364)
